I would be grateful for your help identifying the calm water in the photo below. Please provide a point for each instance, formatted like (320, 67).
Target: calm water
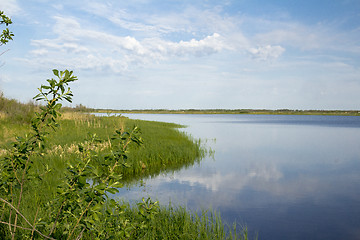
(285, 177)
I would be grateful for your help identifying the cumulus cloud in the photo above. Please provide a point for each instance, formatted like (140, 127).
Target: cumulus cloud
(206, 46)
(86, 48)
(267, 52)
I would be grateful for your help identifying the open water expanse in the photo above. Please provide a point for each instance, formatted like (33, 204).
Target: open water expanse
(284, 176)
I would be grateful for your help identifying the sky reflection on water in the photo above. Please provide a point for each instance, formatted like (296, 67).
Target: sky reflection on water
(295, 179)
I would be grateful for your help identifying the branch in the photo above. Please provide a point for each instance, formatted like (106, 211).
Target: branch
(82, 214)
(18, 212)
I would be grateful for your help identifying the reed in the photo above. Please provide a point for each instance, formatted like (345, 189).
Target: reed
(178, 223)
(165, 149)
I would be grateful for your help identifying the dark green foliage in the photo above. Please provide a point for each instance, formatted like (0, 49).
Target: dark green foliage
(6, 35)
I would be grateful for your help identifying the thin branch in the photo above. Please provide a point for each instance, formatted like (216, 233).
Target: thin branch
(30, 229)
(2, 215)
(80, 235)
(12, 200)
(82, 214)
(18, 212)
(10, 224)
(14, 170)
(32, 232)
(57, 217)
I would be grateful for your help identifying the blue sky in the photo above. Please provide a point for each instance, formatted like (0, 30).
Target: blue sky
(150, 54)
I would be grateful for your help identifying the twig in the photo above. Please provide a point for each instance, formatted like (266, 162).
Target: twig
(80, 235)
(10, 224)
(57, 217)
(21, 192)
(82, 214)
(18, 212)
(32, 232)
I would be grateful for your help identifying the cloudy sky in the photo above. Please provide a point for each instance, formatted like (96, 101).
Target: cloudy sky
(179, 54)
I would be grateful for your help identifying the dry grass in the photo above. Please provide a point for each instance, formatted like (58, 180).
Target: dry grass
(73, 148)
(88, 120)
(75, 116)
(3, 115)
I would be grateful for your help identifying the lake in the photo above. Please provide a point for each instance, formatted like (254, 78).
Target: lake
(284, 176)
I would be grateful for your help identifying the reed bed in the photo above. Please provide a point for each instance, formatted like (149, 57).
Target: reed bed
(178, 223)
(165, 149)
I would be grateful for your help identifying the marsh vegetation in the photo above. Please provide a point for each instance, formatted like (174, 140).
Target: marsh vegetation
(59, 174)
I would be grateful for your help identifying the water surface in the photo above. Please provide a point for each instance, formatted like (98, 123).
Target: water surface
(284, 176)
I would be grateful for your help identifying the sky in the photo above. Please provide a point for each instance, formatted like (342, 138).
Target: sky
(182, 54)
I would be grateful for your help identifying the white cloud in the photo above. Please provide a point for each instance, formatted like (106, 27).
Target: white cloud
(85, 48)
(325, 36)
(206, 46)
(266, 52)
(10, 7)
(120, 17)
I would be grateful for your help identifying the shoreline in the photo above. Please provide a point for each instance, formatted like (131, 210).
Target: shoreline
(235, 111)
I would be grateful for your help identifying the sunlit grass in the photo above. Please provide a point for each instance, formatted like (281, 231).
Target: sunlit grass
(165, 148)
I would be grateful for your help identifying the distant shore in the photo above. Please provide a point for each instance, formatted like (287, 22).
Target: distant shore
(236, 111)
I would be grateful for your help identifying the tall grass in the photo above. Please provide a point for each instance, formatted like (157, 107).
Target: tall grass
(178, 223)
(11, 109)
(164, 149)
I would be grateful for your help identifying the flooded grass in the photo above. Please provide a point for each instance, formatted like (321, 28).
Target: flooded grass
(178, 223)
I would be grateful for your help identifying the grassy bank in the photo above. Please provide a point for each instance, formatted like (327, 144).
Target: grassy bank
(164, 149)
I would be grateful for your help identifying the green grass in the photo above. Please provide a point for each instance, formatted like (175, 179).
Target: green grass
(165, 149)
(178, 223)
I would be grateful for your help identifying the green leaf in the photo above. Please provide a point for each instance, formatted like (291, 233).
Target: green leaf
(97, 207)
(56, 72)
(112, 190)
(82, 180)
(58, 106)
(117, 185)
(67, 74)
(101, 186)
(95, 216)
